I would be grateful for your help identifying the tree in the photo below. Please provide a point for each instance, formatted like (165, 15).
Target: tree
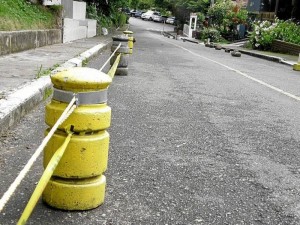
(146, 4)
(107, 7)
(182, 8)
(219, 11)
(134, 4)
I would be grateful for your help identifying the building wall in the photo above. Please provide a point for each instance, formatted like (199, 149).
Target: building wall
(287, 9)
(79, 10)
(67, 8)
(242, 3)
(76, 26)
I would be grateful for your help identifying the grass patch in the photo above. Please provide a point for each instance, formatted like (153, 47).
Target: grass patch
(23, 15)
(47, 93)
(45, 72)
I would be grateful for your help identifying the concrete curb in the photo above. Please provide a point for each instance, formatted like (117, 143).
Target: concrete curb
(254, 54)
(14, 106)
(267, 57)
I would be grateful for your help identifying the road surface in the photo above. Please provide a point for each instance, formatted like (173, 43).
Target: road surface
(197, 137)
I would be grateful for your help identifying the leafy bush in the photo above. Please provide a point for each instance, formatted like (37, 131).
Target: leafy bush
(265, 32)
(91, 12)
(200, 17)
(226, 16)
(117, 18)
(262, 35)
(288, 31)
(212, 33)
(219, 11)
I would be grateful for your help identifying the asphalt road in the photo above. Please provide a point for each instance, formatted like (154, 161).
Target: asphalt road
(197, 137)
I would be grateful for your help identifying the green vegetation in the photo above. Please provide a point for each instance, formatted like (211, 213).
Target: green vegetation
(85, 62)
(212, 33)
(116, 18)
(47, 93)
(265, 32)
(226, 17)
(45, 72)
(107, 13)
(23, 15)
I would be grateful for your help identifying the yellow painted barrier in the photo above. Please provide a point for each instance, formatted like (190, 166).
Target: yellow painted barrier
(129, 34)
(297, 66)
(124, 50)
(78, 182)
(44, 181)
(73, 177)
(114, 67)
(85, 154)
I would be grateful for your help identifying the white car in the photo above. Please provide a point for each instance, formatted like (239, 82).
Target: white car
(149, 15)
(171, 20)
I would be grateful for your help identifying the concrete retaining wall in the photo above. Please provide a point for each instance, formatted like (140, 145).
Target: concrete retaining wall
(17, 41)
(285, 47)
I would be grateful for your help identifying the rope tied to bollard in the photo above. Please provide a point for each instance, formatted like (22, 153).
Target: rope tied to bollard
(112, 55)
(8, 194)
(44, 180)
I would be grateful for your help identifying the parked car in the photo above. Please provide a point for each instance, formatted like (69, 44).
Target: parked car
(138, 14)
(157, 18)
(171, 20)
(126, 10)
(132, 12)
(149, 15)
(160, 19)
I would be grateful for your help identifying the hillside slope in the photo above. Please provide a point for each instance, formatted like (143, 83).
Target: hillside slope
(23, 15)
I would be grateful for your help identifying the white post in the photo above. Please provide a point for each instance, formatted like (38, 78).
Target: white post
(190, 27)
(193, 17)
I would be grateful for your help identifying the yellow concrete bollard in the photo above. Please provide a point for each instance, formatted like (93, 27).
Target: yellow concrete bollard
(297, 66)
(124, 50)
(78, 182)
(129, 34)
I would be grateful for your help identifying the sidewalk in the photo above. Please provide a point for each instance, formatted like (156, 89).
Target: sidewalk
(24, 76)
(271, 56)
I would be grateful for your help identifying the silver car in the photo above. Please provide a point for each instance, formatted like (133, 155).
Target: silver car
(171, 20)
(149, 15)
(157, 18)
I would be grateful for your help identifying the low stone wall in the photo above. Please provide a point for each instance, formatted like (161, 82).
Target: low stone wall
(17, 41)
(285, 47)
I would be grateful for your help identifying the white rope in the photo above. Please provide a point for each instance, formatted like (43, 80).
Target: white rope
(7, 195)
(110, 57)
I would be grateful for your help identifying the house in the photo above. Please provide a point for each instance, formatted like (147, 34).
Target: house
(268, 9)
(242, 3)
